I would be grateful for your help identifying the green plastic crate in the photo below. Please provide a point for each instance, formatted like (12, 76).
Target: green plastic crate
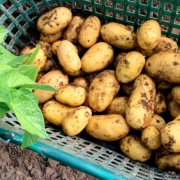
(102, 160)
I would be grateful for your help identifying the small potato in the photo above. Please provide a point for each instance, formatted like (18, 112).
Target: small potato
(54, 20)
(175, 92)
(173, 107)
(117, 58)
(81, 81)
(132, 147)
(97, 57)
(26, 50)
(40, 75)
(157, 121)
(54, 47)
(55, 112)
(140, 107)
(118, 105)
(149, 34)
(68, 56)
(72, 31)
(163, 86)
(130, 66)
(54, 78)
(89, 32)
(108, 127)
(76, 121)
(118, 35)
(102, 90)
(150, 137)
(49, 65)
(71, 95)
(46, 47)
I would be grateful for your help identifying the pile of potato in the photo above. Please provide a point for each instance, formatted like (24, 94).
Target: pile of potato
(112, 82)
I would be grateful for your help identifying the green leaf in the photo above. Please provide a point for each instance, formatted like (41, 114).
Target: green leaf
(3, 33)
(5, 94)
(3, 109)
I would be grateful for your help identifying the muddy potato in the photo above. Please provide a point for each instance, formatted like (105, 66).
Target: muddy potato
(117, 58)
(132, 147)
(68, 56)
(173, 108)
(118, 105)
(141, 102)
(54, 78)
(71, 95)
(72, 31)
(108, 127)
(102, 90)
(118, 35)
(130, 66)
(175, 92)
(164, 66)
(82, 81)
(25, 50)
(40, 75)
(54, 47)
(54, 20)
(76, 121)
(49, 65)
(163, 86)
(46, 47)
(89, 32)
(55, 112)
(149, 34)
(157, 121)
(97, 57)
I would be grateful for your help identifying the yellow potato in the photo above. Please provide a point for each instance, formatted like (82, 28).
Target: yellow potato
(117, 58)
(97, 57)
(89, 32)
(175, 92)
(157, 121)
(82, 81)
(54, 78)
(54, 47)
(76, 121)
(68, 56)
(140, 107)
(40, 74)
(108, 127)
(173, 108)
(25, 50)
(46, 47)
(149, 34)
(102, 90)
(130, 66)
(118, 35)
(132, 147)
(54, 20)
(49, 65)
(55, 112)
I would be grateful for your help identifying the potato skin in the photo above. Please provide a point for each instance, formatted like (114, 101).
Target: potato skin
(81, 81)
(175, 92)
(118, 35)
(157, 121)
(102, 90)
(49, 65)
(149, 34)
(108, 127)
(173, 108)
(76, 121)
(132, 147)
(97, 57)
(140, 107)
(89, 32)
(54, 47)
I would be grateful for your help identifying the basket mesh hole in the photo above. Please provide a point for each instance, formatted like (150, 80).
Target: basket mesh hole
(10, 123)
(14, 30)
(178, 10)
(130, 18)
(98, 10)
(6, 23)
(22, 22)
(156, 4)
(164, 27)
(177, 21)
(37, 1)
(98, 1)
(97, 147)
(15, 14)
(109, 13)
(23, 39)
(26, 6)
(32, 15)
(120, 6)
(88, 7)
(154, 15)
(143, 1)
(143, 12)
(166, 18)
(176, 31)
(119, 16)
(109, 3)
(43, 10)
(141, 21)
(168, 7)
(77, 5)
(7, 4)
(131, 9)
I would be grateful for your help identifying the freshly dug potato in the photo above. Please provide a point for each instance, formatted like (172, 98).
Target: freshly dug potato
(54, 78)
(108, 127)
(117, 58)
(160, 103)
(68, 56)
(54, 20)
(163, 86)
(149, 34)
(132, 147)
(130, 66)
(97, 57)
(140, 107)
(40, 75)
(25, 50)
(175, 92)
(72, 31)
(118, 105)
(46, 47)
(127, 88)
(102, 90)
(76, 121)
(82, 81)
(164, 66)
(157, 121)
(89, 32)
(55, 112)
(118, 35)
(71, 95)
(54, 47)
(49, 65)
(151, 138)
(173, 108)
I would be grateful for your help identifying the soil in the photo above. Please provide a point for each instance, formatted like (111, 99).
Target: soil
(17, 164)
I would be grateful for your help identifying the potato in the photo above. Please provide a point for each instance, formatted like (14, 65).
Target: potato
(163, 86)
(97, 57)
(54, 46)
(89, 32)
(130, 66)
(25, 50)
(140, 107)
(173, 108)
(49, 65)
(150, 137)
(75, 74)
(46, 47)
(82, 81)
(54, 20)
(40, 75)
(157, 121)
(108, 127)
(175, 92)
(118, 35)
(72, 31)
(55, 112)
(102, 90)
(75, 122)
(149, 34)
(132, 147)
(118, 105)
(164, 66)
(117, 58)
(54, 78)
(160, 103)
(71, 95)
(68, 56)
